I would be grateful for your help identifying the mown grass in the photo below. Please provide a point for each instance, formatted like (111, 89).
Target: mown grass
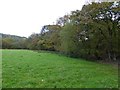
(29, 69)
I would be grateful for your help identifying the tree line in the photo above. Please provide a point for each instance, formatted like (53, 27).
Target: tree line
(90, 33)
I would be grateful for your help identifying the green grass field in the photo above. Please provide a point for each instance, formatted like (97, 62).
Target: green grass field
(30, 69)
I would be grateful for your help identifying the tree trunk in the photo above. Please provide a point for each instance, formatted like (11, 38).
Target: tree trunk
(109, 56)
(114, 57)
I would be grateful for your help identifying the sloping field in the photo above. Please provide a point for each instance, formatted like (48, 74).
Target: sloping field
(29, 69)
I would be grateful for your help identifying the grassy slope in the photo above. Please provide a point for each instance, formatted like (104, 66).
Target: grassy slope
(23, 68)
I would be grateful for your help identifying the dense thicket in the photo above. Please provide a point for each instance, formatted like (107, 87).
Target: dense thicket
(91, 33)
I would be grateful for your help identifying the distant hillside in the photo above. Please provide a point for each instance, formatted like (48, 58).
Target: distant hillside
(14, 37)
(12, 41)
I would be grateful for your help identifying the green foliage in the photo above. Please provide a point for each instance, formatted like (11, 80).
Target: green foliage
(69, 39)
(96, 29)
(92, 33)
(29, 69)
(47, 40)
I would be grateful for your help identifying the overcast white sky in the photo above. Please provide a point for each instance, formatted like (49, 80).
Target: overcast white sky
(24, 17)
